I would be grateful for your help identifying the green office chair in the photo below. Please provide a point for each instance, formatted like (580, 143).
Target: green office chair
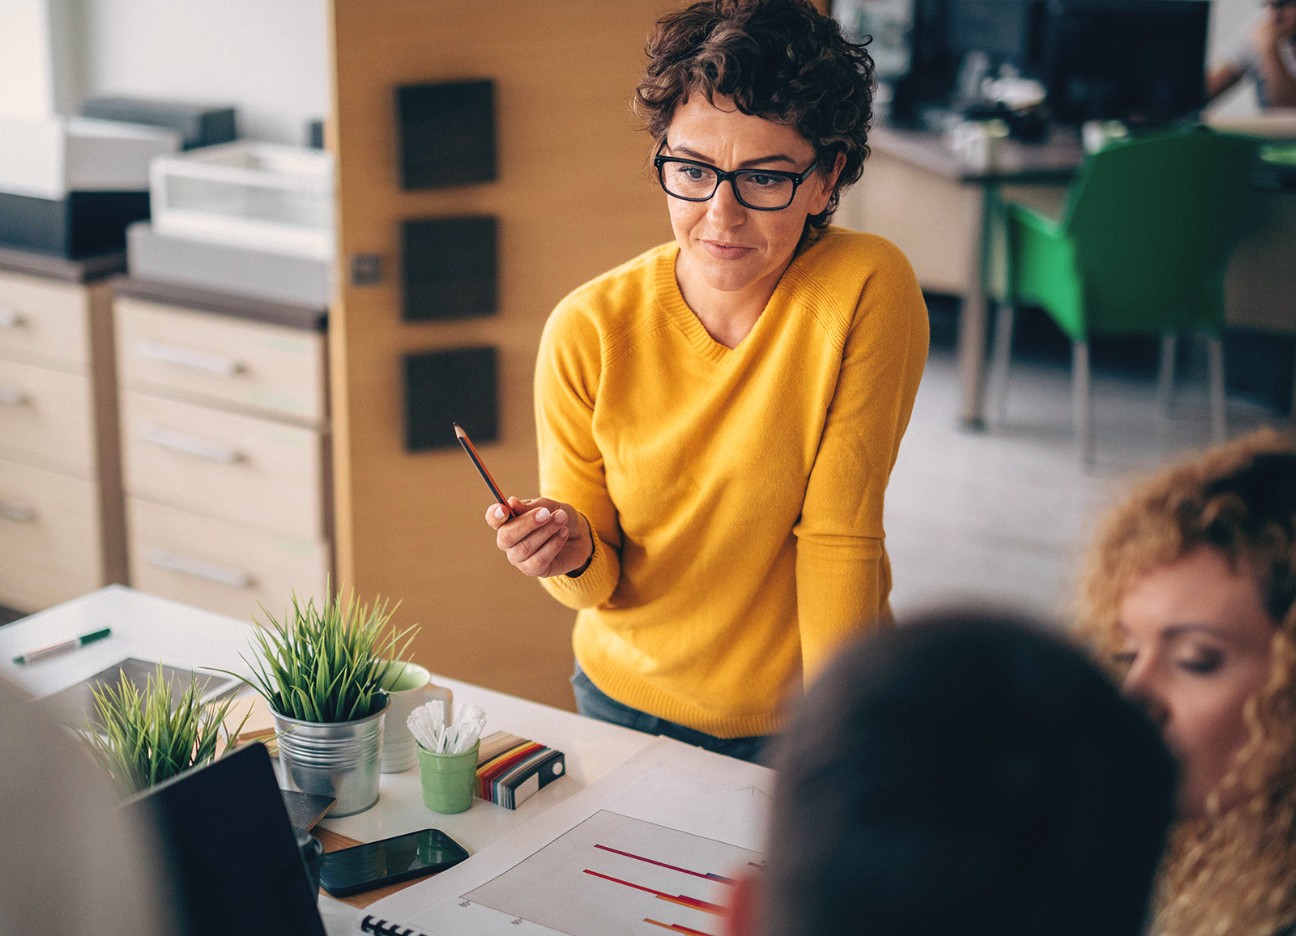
(1141, 249)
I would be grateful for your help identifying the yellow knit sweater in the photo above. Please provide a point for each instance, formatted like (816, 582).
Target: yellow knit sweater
(735, 494)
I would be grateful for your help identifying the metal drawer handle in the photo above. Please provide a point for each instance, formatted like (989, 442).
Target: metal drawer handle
(216, 364)
(18, 513)
(12, 396)
(188, 445)
(200, 568)
(11, 318)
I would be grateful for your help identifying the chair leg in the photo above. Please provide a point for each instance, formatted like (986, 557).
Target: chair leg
(1166, 372)
(1000, 360)
(1081, 402)
(1215, 366)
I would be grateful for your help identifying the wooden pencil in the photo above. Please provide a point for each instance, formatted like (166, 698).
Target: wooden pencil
(481, 467)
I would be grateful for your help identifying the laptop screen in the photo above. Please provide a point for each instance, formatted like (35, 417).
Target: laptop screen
(234, 860)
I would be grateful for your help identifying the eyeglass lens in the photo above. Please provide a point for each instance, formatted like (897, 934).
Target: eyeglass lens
(754, 188)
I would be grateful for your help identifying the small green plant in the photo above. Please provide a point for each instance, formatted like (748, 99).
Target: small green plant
(326, 664)
(145, 736)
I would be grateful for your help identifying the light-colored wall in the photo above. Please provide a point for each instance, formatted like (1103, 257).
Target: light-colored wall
(267, 58)
(26, 76)
(1231, 21)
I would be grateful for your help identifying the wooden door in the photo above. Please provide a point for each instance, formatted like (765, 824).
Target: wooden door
(573, 197)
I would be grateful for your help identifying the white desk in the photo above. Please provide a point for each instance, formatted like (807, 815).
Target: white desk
(156, 628)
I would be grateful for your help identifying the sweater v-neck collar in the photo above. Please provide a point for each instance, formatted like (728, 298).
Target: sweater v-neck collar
(677, 311)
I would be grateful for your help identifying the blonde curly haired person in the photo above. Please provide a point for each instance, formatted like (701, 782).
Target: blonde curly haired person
(1190, 589)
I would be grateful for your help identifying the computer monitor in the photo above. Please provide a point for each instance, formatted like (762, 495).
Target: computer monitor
(999, 29)
(1138, 61)
(944, 36)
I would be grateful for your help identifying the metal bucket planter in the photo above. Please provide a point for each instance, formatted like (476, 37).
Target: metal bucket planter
(338, 759)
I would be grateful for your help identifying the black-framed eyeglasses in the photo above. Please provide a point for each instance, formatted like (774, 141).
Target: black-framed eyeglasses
(758, 189)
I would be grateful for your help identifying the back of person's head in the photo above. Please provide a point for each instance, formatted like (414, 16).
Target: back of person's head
(967, 773)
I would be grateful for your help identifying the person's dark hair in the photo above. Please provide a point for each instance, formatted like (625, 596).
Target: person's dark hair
(967, 773)
(781, 60)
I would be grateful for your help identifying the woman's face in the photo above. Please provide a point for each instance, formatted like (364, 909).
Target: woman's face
(730, 253)
(1197, 641)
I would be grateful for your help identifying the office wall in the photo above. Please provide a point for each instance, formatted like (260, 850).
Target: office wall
(27, 76)
(1231, 21)
(572, 199)
(269, 58)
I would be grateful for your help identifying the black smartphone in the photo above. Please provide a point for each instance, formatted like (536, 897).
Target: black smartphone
(389, 861)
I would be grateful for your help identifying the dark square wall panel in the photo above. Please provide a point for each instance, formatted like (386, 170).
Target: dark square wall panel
(446, 133)
(449, 268)
(449, 386)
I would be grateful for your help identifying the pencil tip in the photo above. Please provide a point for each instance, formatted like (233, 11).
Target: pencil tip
(459, 433)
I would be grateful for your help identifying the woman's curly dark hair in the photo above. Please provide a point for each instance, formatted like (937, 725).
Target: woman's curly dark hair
(781, 60)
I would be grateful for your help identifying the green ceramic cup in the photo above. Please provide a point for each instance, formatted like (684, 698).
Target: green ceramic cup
(448, 779)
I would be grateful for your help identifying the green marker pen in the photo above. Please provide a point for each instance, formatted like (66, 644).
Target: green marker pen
(54, 649)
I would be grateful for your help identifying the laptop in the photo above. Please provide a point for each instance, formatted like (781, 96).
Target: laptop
(233, 856)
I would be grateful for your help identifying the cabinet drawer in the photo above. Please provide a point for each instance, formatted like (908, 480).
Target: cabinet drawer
(208, 358)
(46, 418)
(50, 540)
(222, 566)
(43, 319)
(244, 469)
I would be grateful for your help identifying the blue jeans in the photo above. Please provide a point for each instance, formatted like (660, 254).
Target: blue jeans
(592, 702)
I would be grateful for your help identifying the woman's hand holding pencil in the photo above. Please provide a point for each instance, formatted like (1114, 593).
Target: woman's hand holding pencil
(541, 537)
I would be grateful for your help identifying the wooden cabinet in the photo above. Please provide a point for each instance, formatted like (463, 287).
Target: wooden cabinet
(61, 528)
(225, 448)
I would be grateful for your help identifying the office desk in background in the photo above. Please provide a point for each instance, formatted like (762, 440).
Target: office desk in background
(153, 628)
(1260, 286)
(917, 192)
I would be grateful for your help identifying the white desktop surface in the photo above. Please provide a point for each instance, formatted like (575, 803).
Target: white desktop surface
(153, 628)
(142, 625)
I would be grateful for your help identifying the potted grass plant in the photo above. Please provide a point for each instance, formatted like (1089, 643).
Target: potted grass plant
(143, 736)
(322, 670)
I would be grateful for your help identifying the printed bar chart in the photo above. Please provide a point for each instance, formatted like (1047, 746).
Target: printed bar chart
(710, 875)
(612, 873)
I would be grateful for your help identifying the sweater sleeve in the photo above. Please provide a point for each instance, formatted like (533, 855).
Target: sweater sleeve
(842, 575)
(571, 464)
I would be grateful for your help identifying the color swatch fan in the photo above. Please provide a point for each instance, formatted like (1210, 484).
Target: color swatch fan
(510, 770)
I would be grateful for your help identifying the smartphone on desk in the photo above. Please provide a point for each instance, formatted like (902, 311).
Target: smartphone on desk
(389, 861)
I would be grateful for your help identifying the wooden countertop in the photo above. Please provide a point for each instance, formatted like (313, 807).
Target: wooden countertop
(303, 317)
(82, 270)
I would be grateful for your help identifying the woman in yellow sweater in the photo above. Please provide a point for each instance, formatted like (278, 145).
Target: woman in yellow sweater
(718, 418)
